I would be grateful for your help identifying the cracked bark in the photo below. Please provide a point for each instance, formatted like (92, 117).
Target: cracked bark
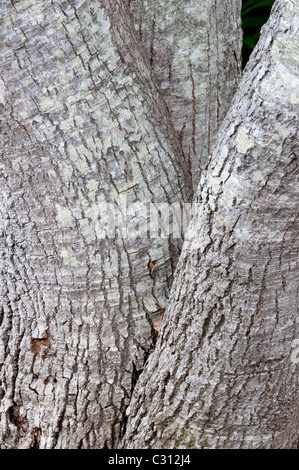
(223, 374)
(194, 48)
(82, 123)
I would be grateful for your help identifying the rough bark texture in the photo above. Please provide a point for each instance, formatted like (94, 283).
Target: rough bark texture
(82, 123)
(194, 47)
(223, 374)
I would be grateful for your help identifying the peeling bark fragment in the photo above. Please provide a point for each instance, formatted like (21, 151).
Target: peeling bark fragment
(35, 438)
(21, 422)
(38, 343)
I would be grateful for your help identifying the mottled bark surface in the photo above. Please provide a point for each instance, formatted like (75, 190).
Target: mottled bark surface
(194, 47)
(82, 123)
(223, 374)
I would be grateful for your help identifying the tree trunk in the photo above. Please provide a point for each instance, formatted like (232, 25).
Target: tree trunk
(83, 124)
(224, 373)
(194, 48)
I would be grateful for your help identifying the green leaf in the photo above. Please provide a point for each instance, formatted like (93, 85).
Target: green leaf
(248, 7)
(254, 21)
(256, 36)
(254, 14)
(249, 42)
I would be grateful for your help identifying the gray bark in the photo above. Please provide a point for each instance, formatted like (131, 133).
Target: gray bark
(82, 123)
(194, 47)
(224, 373)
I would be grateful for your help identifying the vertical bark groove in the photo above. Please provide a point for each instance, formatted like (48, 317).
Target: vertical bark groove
(194, 48)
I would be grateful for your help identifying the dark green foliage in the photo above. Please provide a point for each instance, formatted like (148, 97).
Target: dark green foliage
(254, 14)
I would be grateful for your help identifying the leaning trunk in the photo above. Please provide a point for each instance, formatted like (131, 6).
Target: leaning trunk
(225, 370)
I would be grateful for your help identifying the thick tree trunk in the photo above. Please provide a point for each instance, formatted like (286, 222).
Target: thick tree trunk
(83, 124)
(194, 47)
(224, 373)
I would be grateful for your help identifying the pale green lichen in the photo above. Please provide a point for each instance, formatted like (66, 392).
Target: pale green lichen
(222, 220)
(78, 156)
(51, 174)
(67, 124)
(67, 258)
(79, 121)
(244, 142)
(285, 132)
(93, 187)
(58, 53)
(93, 212)
(286, 51)
(22, 5)
(64, 216)
(15, 65)
(257, 176)
(186, 439)
(49, 104)
(20, 163)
